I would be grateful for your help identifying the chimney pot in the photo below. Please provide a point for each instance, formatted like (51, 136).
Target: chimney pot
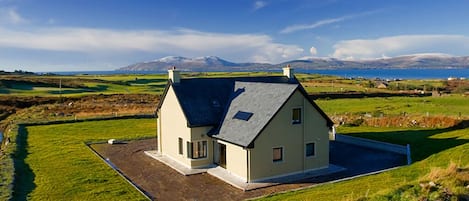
(174, 75)
(289, 72)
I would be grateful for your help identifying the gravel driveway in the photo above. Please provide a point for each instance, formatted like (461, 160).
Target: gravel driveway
(164, 183)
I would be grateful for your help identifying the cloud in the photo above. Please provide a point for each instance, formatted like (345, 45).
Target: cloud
(401, 45)
(313, 51)
(300, 27)
(182, 42)
(259, 4)
(11, 16)
(314, 25)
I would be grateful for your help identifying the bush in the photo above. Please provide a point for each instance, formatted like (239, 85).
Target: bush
(355, 123)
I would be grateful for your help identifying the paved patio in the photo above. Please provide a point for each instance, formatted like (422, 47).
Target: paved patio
(181, 168)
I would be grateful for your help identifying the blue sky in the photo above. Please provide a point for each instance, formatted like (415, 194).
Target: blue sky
(82, 35)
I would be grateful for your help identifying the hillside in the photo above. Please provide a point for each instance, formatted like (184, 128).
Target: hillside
(213, 63)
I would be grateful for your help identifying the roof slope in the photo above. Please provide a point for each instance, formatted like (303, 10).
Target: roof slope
(260, 101)
(204, 100)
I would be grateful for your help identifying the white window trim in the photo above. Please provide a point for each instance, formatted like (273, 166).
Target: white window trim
(283, 154)
(315, 150)
(206, 151)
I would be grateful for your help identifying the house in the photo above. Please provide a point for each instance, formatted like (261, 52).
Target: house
(256, 128)
(382, 85)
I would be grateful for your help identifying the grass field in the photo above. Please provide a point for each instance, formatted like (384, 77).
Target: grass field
(454, 105)
(79, 85)
(53, 163)
(430, 149)
(32, 85)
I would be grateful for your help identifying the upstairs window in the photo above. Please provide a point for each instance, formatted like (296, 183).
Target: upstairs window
(296, 116)
(277, 154)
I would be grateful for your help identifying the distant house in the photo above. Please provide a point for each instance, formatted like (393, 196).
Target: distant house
(382, 85)
(256, 128)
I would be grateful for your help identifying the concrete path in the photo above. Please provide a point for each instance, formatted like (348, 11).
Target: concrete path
(236, 181)
(181, 168)
(239, 183)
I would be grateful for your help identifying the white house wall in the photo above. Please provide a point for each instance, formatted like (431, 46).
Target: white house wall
(173, 125)
(236, 160)
(280, 132)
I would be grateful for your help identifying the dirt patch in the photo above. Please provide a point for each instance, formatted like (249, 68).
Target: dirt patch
(164, 183)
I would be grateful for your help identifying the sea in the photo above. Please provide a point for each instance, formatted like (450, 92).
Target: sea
(346, 73)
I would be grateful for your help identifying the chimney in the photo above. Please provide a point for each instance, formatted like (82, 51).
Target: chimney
(174, 75)
(287, 71)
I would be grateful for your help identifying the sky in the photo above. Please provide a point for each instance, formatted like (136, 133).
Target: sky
(95, 35)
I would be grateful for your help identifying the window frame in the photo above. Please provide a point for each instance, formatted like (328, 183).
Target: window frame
(314, 149)
(200, 153)
(300, 117)
(282, 154)
(180, 146)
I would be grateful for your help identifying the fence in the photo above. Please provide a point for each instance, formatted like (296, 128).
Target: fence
(399, 149)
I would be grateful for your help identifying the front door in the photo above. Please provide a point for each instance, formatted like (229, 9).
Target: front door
(222, 152)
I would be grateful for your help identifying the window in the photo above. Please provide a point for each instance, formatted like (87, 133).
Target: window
(310, 149)
(243, 115)
(296, 116)
(197, 150)
(180, 145)
(277, 154)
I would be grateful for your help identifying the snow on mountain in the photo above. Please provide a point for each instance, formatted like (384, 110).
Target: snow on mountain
(213, 63)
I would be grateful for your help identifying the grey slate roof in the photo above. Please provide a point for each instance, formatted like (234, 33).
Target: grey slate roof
(215, 101)
(263, 100)
(204, 100)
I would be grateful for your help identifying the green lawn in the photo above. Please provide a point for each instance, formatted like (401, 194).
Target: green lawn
(430, 149)
(154, 84)
(53, 163)
(446, 105)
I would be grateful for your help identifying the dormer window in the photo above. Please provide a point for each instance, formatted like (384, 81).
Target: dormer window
(296, 116)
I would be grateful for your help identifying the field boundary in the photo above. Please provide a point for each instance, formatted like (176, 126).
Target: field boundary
(114, 167)
(334, 95)
(385, 146)
(140, 116)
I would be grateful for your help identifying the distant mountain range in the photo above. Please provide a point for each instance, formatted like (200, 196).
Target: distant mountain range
(213, 63)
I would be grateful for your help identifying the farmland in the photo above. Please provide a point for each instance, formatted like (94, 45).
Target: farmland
(53, 161)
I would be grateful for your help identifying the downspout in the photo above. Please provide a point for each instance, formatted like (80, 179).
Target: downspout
(248, 175)
(160, 136)
(304, 148)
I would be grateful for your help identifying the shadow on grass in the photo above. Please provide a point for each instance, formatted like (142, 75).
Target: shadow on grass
(4, 91)
(146, 81)
(421, 141)
(24, 176)
(98, 88)
(158, 85)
